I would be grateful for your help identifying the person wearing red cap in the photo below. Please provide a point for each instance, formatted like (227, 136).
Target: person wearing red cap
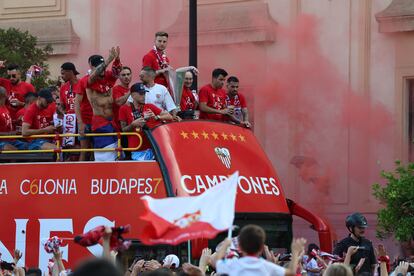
(99, 93)
(157, 59)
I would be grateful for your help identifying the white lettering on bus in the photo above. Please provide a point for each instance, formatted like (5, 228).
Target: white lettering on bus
(249, 185)
(183, 178)
(48, 187)
(113, 186)
(3, 187)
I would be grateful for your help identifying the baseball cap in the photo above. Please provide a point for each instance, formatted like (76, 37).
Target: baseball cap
(95, 60)
(138, 87)
(46, 93)
(69, 66)
(172, 260)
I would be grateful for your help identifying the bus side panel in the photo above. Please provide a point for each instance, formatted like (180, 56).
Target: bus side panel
(38, 201)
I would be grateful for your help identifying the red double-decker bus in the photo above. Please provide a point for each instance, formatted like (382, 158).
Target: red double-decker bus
(40, 200)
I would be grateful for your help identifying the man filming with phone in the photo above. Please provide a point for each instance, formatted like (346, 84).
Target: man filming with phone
(363, 258)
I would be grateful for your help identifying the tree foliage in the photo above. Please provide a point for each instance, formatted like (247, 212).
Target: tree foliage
(397, 216)
(17, 47)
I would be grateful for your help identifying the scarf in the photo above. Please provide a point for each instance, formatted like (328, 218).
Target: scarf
(161, 57)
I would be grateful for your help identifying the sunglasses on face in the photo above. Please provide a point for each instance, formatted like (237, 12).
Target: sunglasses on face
(12, 76)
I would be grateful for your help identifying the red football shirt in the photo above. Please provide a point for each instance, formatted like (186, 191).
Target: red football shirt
(5, 120)
(188, 101)
(39, 118)
(238, 101)
(117, 92)
(67, 96)
(150, 59)
(17, 91)
(19, 119)
(215, 98)
(126, 115)
(85, 106)
(6, 83)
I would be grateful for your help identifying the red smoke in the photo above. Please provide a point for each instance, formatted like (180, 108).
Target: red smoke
(312, 124)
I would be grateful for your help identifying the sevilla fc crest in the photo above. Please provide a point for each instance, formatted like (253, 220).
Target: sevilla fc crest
(188, 219)
(224, 155)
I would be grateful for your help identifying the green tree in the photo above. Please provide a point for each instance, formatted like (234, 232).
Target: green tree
(397, 196)
(17, 47)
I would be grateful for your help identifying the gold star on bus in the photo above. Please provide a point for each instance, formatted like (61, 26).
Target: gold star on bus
(215, 135)
(195, 135)
(242, 138)
(184, 134)
(205, 135)
(224, 135)
(233, 137)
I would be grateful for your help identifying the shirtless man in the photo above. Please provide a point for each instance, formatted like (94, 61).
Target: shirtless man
(99, 93)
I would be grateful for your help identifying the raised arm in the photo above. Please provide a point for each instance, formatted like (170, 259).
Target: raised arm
(298, 249)
(100, 69)
(221, 253)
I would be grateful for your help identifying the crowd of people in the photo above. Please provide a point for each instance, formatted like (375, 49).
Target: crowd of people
(246, 254)
(106, 101)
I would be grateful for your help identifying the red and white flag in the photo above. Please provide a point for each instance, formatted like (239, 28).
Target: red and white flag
(178, 219)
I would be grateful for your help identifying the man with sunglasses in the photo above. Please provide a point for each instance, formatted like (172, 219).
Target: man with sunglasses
(120, 92)
(6, 126)
(16, 88)
(137, 114)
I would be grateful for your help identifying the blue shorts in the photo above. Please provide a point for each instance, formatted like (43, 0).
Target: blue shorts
(20, 145)
(88, 129)
(37, 144)
(142, 155)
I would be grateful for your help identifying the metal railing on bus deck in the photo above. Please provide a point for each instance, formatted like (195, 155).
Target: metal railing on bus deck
(58, 138)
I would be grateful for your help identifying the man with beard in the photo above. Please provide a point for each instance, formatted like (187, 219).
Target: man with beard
(213, 98)
(68, 89)
(157, 59)
(237, 101)
(16, 88)
(38, 119)
(134, 116)
(157, 94)
(99, 93)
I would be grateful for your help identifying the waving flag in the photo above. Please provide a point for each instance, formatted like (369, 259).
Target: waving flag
(178, 219)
